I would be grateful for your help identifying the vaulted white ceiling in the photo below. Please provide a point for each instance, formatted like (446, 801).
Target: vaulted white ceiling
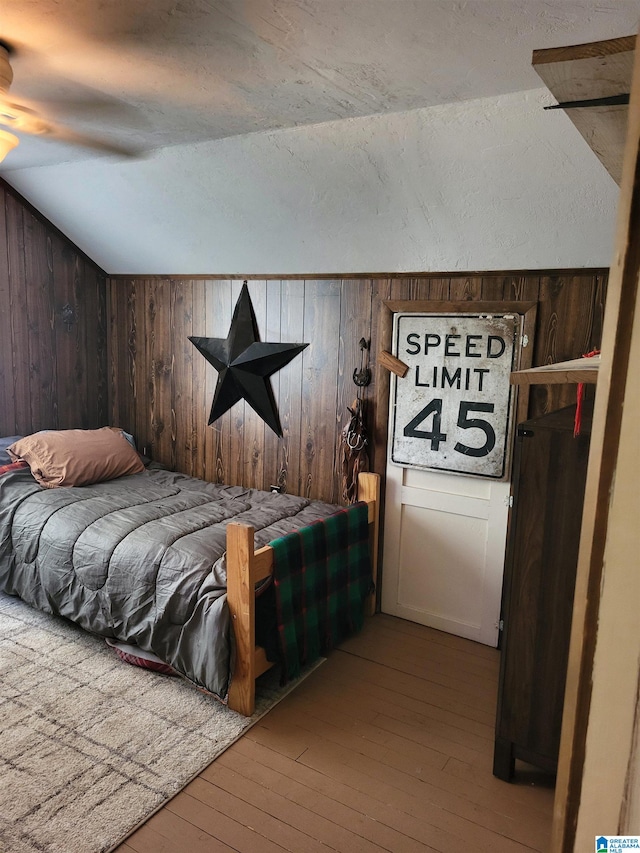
(310, 136)
(153, 73)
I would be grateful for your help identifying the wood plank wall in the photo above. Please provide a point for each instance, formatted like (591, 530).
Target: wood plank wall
(53, 373)
(162, 388)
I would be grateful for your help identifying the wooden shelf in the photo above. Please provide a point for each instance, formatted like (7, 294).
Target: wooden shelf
(587, 71)
(573, 371)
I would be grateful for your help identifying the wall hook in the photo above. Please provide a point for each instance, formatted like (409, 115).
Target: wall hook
(362, 377)
(68, 316)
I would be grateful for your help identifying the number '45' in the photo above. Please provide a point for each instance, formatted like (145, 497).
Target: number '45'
(437, 437)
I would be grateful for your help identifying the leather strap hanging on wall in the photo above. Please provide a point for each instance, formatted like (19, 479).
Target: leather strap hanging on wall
(355, 440)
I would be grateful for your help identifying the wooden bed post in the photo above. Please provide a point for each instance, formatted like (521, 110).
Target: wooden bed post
(242, 607)
(369, 490)
(246, 568)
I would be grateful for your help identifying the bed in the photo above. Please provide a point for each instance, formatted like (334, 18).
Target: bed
(159, 560)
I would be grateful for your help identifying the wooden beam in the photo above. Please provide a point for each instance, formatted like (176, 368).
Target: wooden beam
(241, 601)
(588, 71)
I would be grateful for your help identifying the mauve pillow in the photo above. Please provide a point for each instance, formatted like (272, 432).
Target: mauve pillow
(77, 457)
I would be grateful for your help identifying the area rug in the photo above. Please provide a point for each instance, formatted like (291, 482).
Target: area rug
(91, 746)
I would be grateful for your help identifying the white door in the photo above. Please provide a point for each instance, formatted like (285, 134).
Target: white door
(444, 531)
(444, 551)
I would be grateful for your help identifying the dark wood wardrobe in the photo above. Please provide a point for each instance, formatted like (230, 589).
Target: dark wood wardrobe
(550, 466)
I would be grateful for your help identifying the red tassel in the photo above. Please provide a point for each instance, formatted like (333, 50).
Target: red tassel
(577, 423)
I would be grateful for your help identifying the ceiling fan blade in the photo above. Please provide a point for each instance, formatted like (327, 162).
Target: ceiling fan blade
(6, 72)
(89, 108)
(64, 134)
(23, 120)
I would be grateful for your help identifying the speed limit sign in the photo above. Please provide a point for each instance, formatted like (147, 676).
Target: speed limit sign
(453, 409)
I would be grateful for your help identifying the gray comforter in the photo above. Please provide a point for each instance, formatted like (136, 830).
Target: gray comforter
(139, 559)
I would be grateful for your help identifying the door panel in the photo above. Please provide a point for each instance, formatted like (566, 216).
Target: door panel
(444, 551)
(446, 575)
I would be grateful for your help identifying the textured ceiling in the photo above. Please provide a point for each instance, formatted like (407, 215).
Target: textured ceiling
(154, 73)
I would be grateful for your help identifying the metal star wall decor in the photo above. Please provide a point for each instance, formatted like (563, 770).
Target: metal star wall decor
(244, 364)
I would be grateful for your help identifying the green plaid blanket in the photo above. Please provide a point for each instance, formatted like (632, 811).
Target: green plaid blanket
(321, 576)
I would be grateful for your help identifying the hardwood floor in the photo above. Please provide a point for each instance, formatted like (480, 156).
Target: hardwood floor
(387, 746)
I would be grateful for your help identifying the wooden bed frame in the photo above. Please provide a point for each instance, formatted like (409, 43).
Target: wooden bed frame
(245, 568)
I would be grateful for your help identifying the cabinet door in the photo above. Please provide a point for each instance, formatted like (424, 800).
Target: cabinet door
(550, 469)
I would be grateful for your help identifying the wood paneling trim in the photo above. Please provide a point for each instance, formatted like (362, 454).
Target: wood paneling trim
(440, 276)
(455, 307)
